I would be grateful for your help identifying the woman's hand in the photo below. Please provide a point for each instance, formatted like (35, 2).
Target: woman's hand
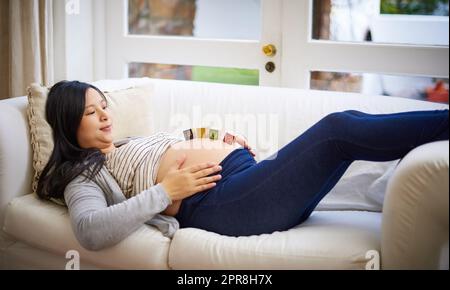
(181, 183)
(241, 140)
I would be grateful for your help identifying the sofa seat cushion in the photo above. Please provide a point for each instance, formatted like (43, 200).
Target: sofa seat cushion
(327, 240)
(46, 225)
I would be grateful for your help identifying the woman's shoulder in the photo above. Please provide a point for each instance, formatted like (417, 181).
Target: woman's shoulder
(155, 137)
(126, 140)
(101, 178)
(102, 183)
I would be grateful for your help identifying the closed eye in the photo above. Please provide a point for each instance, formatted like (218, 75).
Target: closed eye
(93, 112)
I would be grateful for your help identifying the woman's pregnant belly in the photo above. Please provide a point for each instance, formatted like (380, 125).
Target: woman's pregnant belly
(197, 151)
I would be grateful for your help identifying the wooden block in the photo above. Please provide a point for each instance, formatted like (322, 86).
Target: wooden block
(188, 134)
(229, 138)
(213, 134)
(202, 133)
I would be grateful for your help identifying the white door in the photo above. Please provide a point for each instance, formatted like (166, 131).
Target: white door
(264, 17)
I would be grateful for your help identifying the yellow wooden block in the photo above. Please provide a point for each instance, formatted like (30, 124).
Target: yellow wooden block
(201, 133)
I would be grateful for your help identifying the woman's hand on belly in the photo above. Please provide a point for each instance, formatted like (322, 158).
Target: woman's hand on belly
(181, 183)
(197, 151)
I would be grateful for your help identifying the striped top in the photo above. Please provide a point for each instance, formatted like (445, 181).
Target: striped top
(135, 165)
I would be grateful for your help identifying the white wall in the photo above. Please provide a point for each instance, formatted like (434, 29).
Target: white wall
(79, 42)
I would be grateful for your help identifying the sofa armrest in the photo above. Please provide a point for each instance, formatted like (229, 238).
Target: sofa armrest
(416, 211)
(16, 168)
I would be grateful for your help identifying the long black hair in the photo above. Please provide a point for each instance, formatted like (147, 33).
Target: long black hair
(64, 110)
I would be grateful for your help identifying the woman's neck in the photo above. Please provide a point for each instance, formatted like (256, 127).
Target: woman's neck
(108, 149)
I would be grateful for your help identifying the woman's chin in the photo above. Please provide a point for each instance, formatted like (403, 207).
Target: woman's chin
(106, 138)
(106, 134)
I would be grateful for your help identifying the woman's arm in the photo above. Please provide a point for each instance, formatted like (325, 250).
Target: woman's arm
(97, 225)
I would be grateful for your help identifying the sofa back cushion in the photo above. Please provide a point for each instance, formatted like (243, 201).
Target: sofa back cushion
(124, 104)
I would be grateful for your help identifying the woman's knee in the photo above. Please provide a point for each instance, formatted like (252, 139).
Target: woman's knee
(354, 113)
(337, 117)
(337, 122)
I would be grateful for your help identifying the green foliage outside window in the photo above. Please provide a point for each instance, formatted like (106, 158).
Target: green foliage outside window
(415, 7)
(225, 75)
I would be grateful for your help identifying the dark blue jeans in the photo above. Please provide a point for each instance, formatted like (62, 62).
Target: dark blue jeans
(277, 194)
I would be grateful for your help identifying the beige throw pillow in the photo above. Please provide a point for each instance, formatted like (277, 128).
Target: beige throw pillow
(40, 131)
(130, 110)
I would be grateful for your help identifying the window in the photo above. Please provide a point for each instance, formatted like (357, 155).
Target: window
(382, 21)
(419, 88)
(222, 19)
(200, 40)
(404, 22)
(204, 19)
(195, 73)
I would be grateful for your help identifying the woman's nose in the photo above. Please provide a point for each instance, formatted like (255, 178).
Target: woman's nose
(104, 116)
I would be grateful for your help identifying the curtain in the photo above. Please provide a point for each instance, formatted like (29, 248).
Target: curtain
(26, 49)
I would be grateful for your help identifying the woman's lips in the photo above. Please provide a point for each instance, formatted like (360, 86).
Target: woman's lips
(107, 128)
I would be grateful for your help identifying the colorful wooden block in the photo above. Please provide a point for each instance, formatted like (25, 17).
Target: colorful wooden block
(201, 133)
(188, 134)
(229, 138)
(213, 134)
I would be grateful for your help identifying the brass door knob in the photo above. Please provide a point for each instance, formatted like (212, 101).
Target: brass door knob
(269, 50)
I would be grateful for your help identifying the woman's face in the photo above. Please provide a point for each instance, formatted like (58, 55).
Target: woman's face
(95, 130)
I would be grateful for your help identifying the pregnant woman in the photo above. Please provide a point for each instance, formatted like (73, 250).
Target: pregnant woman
(112, 189)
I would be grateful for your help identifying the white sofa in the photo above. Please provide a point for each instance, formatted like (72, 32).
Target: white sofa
(350, 229)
